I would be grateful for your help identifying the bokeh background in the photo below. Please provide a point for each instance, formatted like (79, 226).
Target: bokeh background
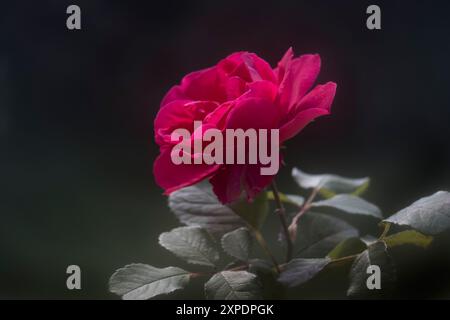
(77, 107)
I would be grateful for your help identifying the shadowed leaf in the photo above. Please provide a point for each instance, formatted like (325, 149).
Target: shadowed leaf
(350, 204)
(238, 243)
(408, 237)
(140, 281)
(192, 244)
(347, 247)
(318, 234)
(233, 285)
(254, 212)
(298, 271)
(198, 206)
(429, 215)
(375, 255)
(330, 184)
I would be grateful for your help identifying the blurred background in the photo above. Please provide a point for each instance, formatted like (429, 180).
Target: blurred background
(77, 107)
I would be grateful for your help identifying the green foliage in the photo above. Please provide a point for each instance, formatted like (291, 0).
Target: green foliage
(197, 205)
(375, 255)
(254, 212)
(330, 184)
(408, 237)
(233, 285)
(323, 243)
(318, 234)
(347, 247)
(141, 281)
(292, 199)
(429, 215)
(238, 243)
(350, 204)
(192, 244)
(298, 271)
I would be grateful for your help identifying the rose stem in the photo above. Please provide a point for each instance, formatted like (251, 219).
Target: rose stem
(304, 208)
(282, 215)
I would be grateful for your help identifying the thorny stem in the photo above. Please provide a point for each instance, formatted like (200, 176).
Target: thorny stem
(282, 215)
(305, 207)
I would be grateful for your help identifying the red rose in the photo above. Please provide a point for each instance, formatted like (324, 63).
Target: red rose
(241, 91)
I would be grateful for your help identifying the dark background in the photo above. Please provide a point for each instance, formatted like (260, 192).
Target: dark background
(76, 113)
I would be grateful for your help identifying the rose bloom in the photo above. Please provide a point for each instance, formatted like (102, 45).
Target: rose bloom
(241, 91)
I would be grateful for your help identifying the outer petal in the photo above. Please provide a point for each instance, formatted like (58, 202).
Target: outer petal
(218, 117)
(175, 93)
(206, 84)
(247, 66)
(299, 76)
(253, 112)
(314, 104)
(233, 179)
(263, 69)
(254, 182)
(227, 183)
(235, 87)
(284, 64)
(179, 114)
(172, 177)
(320, 97)
(260, 89)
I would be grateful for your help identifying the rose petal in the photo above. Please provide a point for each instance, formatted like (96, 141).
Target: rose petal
(242, 116)
(232, 180)
(218, 117)
(227, 183)
(314, 104)
(247, 66)
(254, 182)
(299, 76)
(235, 87)
(172, 177)
(180, 114)
(261, 89)
(175, 93)
(320, 97)
(283, 64)
(206, 84)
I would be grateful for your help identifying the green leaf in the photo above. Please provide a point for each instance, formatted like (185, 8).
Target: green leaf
(292, 199)
(192, 244)
(267, 275)
(198, 206)
(238, 243)
(330, 184)
(347, 247)
(408, 237)
(319, 233)
(298, 271)
(429, 215)
(140, 281)
(350, 204)
(254, 212)
(233, 285)
(261, 267)
(377, 255)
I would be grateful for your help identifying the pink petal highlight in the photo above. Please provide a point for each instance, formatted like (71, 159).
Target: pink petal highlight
(172, 177)
(315, 104)
(299, 76)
